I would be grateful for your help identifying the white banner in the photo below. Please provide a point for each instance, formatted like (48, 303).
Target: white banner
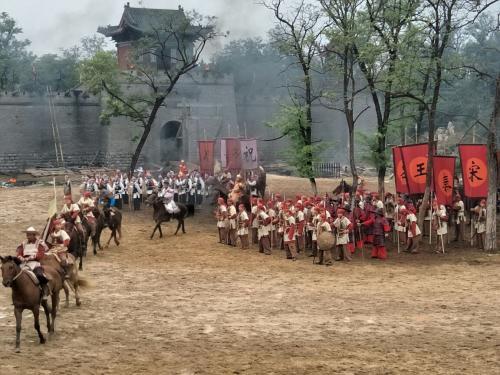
(249, 155)
(223, 153)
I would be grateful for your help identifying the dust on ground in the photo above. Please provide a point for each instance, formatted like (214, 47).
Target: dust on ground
(186, 305)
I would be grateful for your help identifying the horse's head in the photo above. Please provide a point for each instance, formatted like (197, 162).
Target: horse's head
(152, 199)
(10, 269)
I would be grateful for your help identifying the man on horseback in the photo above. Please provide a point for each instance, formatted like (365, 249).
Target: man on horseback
(87, 205)
(31, 252)
(58, 241)
(72, 209)
(167, 194)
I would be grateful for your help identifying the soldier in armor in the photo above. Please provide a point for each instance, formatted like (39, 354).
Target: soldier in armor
(182, 186)
(232, 227)
(252, 184)
(222, 223)
(200, 187)
(459, 217)
(30, 253)
(342, 227)
(264, 223)
(413, 229)
(118, 191)
(325, 254)
(440, 225)
(87, 205)
(480, 223)
(381, 229)
(243, 222)
(136, 193)
(73, 209)
(289, 235)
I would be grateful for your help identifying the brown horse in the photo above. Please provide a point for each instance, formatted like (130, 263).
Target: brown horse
(160, 214)
(113, 219)
(64, 262)
(26, 295)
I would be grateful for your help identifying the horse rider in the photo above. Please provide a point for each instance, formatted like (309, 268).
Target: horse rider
(73, 209)
(59, 241)
(167, 194)
(30, 252)
(87, 206)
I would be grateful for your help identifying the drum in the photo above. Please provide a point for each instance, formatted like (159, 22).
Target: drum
(326, 240)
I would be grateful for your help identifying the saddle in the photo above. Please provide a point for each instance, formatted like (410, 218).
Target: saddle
(31, 274)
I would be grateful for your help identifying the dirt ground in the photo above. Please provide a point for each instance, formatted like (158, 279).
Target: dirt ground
(186, 305)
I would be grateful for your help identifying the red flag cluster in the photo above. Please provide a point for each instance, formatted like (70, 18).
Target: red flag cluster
(410, 171)
(235, 154)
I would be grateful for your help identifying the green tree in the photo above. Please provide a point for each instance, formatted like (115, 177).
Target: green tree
(13, 55)
(189, 36)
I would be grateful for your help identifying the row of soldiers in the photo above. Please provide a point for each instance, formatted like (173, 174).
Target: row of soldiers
(118, 189)
(299, 225)
(304, 224)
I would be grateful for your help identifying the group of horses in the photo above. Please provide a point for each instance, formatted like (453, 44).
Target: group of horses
(59, 268)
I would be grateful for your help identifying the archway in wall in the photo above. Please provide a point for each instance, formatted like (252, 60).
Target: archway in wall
(171, 141)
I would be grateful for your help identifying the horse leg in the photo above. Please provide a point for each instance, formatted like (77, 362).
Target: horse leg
(19, 317)
(76, 287)
(110, 237)
(183, 230)
(154, 230)
(80, 264)
(116, 239)
(94, 244)
(178, 227)
(159, 229)
(119, 229)
(55, 304)
(46, 309)
(36, 316)
(66, 292)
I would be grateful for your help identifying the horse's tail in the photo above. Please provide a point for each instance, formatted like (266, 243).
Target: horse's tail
(83, 282)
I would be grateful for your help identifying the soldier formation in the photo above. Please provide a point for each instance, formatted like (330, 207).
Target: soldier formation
(329, 228)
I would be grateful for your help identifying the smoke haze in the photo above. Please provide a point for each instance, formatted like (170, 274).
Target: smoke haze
(55, 24)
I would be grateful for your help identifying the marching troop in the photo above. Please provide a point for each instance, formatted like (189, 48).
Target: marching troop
(329, 228)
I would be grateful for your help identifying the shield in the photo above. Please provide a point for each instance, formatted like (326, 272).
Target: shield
(326, 240)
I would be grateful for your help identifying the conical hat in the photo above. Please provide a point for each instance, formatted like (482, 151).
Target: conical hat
(30, 230)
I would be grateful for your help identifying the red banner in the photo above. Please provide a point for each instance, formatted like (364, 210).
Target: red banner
(474, 161)
(233, 154)
(206, 152)
(415, 165)
(443, 178)
(399, 171)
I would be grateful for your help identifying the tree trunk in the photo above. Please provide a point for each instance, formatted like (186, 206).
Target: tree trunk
(352, 161)
(308, 133)
(144, 136)
(491, 222)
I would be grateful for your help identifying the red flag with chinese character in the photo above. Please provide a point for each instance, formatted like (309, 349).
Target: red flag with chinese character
(474, 161)
(399, 171)
(233, 154)
(206, 151)
(443, 178)
(415, 165)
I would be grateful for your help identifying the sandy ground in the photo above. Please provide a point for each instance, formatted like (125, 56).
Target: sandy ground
(186, 305)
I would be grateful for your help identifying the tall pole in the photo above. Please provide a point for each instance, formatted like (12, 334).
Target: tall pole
(491, 222)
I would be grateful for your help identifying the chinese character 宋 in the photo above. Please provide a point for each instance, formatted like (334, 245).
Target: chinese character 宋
(473, 171)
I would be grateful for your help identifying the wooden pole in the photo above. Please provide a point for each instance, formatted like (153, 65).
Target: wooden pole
(491, 222)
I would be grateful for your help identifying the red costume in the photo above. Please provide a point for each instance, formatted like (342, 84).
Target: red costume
(380, 226)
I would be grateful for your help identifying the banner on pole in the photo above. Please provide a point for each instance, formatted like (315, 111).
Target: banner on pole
(415, 159)
(474, 163)
(223, 151)
(443, 179)
(249, 155)
(233, 153)
(206, 154)
(399, 171)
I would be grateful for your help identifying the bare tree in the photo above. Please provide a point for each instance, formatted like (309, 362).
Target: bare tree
(298, 34)
(491, 207)
(341, 57)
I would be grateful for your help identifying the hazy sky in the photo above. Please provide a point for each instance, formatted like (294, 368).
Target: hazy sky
(54, 24)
